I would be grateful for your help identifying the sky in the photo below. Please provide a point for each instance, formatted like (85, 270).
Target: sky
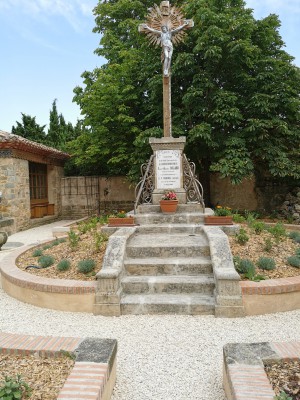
(46, 45)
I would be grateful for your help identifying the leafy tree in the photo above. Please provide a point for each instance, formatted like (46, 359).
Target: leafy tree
(235, 92)
(29, 129)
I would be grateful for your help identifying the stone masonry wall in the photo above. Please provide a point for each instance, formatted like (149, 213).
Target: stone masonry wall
(55, 175)
(83, 196)
(14, 185)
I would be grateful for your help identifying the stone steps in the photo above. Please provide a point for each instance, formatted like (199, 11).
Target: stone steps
(173, 284)
(190, 229)
(173, 266)
(187, 304)
(177, 218)
(167, 246)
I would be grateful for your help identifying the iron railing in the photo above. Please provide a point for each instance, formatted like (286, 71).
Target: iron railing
(144, 189)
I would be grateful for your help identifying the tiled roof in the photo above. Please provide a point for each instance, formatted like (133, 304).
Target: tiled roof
(11, 141)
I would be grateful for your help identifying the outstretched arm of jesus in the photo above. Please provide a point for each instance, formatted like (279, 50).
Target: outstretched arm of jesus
(145, 26)
(186, 23)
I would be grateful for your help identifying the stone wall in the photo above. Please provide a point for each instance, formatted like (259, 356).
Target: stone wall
(83, 196)
(240, 197)
(14, 183)
(55, 175)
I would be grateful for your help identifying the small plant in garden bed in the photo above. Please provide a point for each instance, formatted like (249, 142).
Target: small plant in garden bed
(266, 263)
(237, 218)
(73, 239)
(100, 239)
(247, 268)
(282, 396)
(46, 261)
(14, 389)
(37, 253)
(294, 261)
(86, 266)
(64, 265)
(268, 245)
(242, 237)
(258, 227)
(278, 231)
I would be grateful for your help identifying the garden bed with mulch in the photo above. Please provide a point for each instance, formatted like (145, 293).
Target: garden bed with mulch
(285, 377)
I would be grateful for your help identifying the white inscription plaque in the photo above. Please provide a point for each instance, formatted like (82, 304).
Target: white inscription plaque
(168, 169)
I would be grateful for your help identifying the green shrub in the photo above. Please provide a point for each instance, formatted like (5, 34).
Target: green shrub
(283, 396)
(268, 245)
(100, 238)
(266, 263)
(62, 240)
(294, 261)
(258, 227)
(46, 261)
(294, 234)
(37, 253)
(243, 265)
(73, 239)
(242, 237)
(47, 246)
(86, 266)
(238, 218)
(297, 252)
(14, 389)
(63, 265)
(297, 239)
(278, 231)
(251, 216)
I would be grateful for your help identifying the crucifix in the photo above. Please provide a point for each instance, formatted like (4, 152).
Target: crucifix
(165, 27)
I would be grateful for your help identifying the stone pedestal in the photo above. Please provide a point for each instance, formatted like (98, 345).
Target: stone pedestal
(168, 167)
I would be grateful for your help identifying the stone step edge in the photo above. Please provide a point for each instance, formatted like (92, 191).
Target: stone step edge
(97, 375)
(164, 298)
(203, 278)
(186, 261)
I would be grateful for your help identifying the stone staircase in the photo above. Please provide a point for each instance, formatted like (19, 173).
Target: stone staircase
(166, 266)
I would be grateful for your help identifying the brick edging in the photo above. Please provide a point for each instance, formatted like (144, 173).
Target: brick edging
(271, 286)
(244, 376)
(92, 377)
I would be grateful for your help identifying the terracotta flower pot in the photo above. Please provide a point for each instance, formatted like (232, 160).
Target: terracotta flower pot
(127, 221)
(217, 220)
(168, 206)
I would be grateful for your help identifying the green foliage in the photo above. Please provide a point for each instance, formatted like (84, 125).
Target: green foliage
(29, 129)
(47, 246)
(86, 266)
(258, 227)
(242, 237)
(251, 217)
(14, 389)
(294, 261)
(222, 211)
(100, 239)
(247, 268)
(63, 265)
(46, 261)
(278, 231)
(283, 396)
(37, 253)
(266, 263)
(268, 245)
(86, 226)
(294, 234)
(235, 93)
(297, 253)
(73, 239)
(238, 218)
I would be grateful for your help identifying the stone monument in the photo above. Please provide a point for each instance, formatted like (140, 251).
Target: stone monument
(165, 26)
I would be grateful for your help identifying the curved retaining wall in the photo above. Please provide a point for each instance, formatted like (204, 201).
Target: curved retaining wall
(57, 294)
(271, 296)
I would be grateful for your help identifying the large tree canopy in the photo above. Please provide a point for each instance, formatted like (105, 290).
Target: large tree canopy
(235, 92)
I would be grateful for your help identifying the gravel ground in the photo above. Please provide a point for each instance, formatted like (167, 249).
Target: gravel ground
(159, 357)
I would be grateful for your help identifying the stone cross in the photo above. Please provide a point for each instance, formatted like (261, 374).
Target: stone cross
(165, 27)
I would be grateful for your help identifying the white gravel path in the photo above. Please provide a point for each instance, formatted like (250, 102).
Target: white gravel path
(159, 357)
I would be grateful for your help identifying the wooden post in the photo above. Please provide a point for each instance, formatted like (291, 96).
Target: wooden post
(167, 106)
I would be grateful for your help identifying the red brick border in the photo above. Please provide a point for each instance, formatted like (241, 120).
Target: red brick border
(271, 286)
(246, 379)
(87, 380)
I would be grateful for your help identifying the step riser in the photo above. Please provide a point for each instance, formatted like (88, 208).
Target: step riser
(167, 252)
(168, 219)
(170, 229)
(181, 208)
(168, 269)
(170, 288)
(183, 309)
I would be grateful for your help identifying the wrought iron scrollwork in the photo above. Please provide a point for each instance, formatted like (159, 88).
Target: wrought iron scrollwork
(144, 189)
(194, 189)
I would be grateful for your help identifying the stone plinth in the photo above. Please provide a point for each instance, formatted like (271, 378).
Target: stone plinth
(168, 167)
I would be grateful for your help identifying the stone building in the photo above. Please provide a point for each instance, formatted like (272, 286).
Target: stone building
(30, 182)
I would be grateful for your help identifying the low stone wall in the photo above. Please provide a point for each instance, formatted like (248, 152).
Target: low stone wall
(83, 196)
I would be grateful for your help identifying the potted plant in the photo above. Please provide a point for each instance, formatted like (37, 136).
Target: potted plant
(169, 202)
(120, 218)
(223, 216)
